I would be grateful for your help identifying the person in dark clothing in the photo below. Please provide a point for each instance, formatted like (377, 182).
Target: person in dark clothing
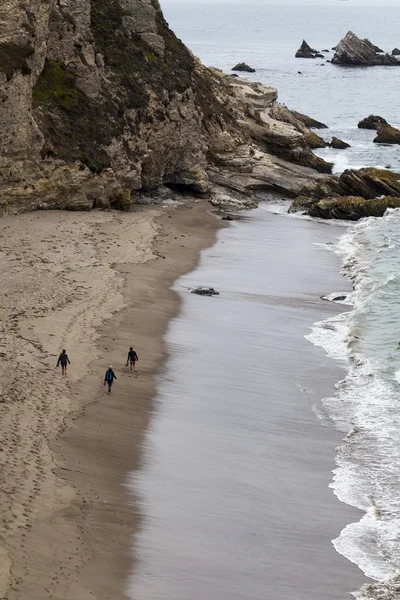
(132, 359)
(109, 378)
(64, 361)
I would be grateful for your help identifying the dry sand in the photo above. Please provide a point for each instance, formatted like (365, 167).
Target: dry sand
(93, 283)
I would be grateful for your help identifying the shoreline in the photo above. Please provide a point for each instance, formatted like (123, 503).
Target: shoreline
(81, 516)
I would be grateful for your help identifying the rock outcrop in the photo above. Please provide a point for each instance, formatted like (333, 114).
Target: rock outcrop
(338, 144)
(387, 134)
(309, 121)
(395, 52)
(371, 122)
(352, 208)
(100, 102)
(243, 67)
(352, 50)
(305, 51)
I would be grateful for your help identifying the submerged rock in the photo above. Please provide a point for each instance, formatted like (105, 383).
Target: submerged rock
(371, 122)
(338, 144)
(305, 51)
(352, 208)
(387, 134)
(352, 50)
(205, 291)
(243, 67)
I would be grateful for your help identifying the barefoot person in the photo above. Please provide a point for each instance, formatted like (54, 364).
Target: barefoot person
(132, 359)
(109, 378)
(64, 361)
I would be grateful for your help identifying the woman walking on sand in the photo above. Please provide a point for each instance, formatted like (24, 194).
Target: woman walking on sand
(132, 359)
(109, 378)
(64, 360)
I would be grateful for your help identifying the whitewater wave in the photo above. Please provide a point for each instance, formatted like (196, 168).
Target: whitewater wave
(366, 403)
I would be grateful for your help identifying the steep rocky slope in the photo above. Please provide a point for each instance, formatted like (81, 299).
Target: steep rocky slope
(99, 99)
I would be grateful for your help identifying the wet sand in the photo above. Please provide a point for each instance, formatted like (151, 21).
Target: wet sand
(94, 283)
(234, 489)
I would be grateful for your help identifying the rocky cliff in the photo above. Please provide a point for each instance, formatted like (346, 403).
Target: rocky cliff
(99, 100)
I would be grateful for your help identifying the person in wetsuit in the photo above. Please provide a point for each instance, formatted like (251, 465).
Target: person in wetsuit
(64, 361)
(109, 378)
(132, 359)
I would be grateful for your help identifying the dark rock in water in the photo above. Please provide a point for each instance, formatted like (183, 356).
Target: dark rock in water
(243, 67)
(339, 298)
(352, 208)
(326, 50)
(368, 184)
(305, 51)
(351, 50)
(205, 291)
(338, 144)
(227, 218)
(234, 75)
(395, 52)
(334, 48)
(300, 73)
(314, 141)
(309, 121)
(371, 122)
(387, 134)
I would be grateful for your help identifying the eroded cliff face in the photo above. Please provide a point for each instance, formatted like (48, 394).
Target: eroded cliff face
(98, 98)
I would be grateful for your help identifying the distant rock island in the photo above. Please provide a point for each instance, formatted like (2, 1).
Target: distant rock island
(243, 67)
(305, 51)
(352, 50)
(371, 122)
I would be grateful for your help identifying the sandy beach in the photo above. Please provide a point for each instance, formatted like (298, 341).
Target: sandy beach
(93, 283)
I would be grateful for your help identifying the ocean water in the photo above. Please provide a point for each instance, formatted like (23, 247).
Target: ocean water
(229, 421)
(266, 35)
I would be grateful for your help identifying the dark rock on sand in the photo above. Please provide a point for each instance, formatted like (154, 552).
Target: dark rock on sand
(205, 291)
(243, 67)
(309, 121)
(387, 134)
(305, 51)
(352, 50)
(395, 52)
(338, 144)
(371, 122)
(352, 208)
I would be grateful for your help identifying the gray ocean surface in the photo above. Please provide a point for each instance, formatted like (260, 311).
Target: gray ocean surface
(236, 490)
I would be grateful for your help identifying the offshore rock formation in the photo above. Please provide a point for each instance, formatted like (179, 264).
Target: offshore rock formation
(305, 51)
(395, 52)
(351, 50)
(100, 98)
(371, 122)
(99, 102)
(243, 67)
(387, 134)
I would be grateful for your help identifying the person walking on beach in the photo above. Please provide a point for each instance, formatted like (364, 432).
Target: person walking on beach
(132, 359)
(109, 378)
(64, 360)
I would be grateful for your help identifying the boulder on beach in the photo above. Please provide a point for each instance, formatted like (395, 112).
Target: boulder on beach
(352, 208)
(309, 121)
(371, 122)
(387, 134)
(243, 67)
(352, 50)
(205, 291)
(338, 144)
(305, 51)
(395, 52)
